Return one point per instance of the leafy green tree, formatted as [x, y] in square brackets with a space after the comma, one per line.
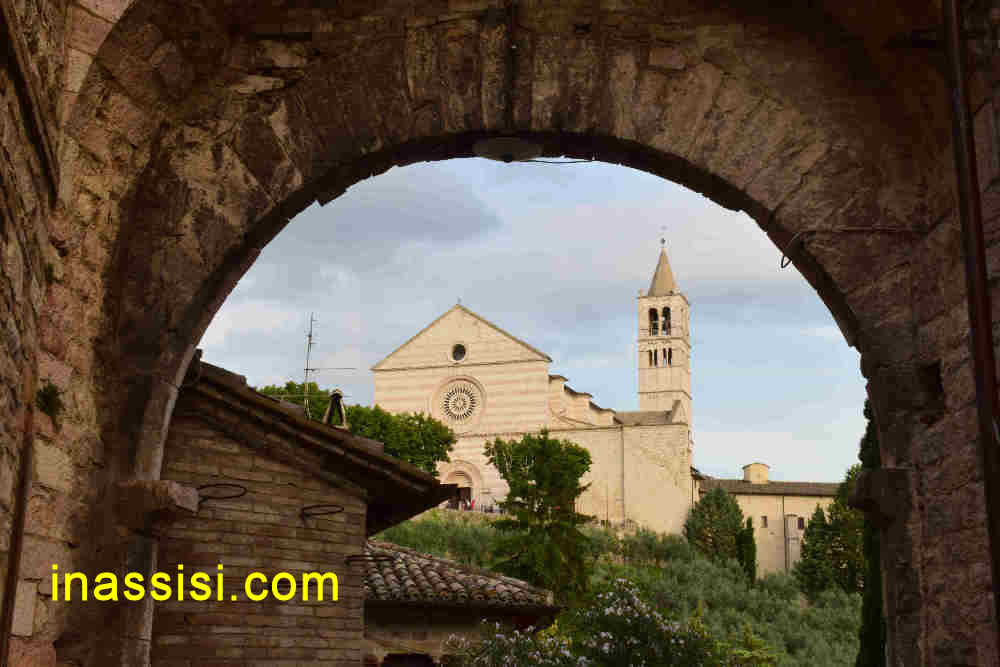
[542, 539]
[871, 652]
[748, 551]
[714, 524]
[297, 393]
[415, 438]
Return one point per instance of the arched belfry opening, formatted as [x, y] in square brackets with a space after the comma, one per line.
[654, 322]
[189, 135]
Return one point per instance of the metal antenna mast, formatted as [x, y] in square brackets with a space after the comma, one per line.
[305, 376]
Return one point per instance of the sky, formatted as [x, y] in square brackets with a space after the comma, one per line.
[556, 255]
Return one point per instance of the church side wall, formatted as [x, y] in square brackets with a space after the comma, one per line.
[771, 540]
[657, 462]
[603, 500]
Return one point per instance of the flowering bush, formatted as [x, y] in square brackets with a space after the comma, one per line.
[617, 629]
[502, 647]
[620, 628]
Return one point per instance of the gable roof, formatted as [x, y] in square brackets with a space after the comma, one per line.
[395, 490]
[395, 574]
[479, 317]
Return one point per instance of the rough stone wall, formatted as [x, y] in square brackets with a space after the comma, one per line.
[27, 183]
[38, 41]
[784, 114]
[260, 532]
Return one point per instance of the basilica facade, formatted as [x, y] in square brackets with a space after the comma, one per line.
[486, 383]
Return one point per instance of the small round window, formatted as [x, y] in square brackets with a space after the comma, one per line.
[458, 352]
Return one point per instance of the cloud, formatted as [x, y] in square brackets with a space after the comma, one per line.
[246, 318]
[556, 255]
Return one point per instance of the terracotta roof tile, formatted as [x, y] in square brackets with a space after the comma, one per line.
[411, 576]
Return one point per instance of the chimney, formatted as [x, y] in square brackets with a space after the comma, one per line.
[755, 473]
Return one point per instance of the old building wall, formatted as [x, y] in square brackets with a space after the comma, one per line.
[31, 62]
[772, 538]
[419, 630]
[658, 476]
[262, 531]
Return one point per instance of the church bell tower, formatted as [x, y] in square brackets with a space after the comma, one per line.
[664, 345]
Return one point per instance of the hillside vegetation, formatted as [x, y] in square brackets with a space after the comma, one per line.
[678, 583]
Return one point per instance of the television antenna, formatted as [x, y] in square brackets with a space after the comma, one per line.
[309, 369]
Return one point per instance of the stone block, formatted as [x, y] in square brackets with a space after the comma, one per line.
[987, 158]
[139, 501]
[38, 555]
[24, 608]
[77, 65]
[883, 494]
[53, 467]
[87, 31]
[110, 10]
[26, 653]
[667, 57]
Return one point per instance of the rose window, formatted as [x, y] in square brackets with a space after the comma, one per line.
[459, 402]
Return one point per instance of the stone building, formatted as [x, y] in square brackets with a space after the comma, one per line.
[779, 512]
[485, 383]
[275, 492]
[414, 602]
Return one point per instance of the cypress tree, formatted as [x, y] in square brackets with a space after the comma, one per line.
[748, 551]
[871, 653]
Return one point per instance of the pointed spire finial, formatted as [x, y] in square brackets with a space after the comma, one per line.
[663, 278]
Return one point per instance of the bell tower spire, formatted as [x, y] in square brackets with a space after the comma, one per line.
[664, 344]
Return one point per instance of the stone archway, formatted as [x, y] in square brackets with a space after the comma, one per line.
[465, 475]
[193, 135]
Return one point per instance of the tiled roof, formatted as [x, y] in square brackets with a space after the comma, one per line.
[739, 486]
[415, 577]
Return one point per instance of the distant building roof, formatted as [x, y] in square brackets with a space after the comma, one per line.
[739, 486]
[644, 418]
[479, 317]
[404, 575]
